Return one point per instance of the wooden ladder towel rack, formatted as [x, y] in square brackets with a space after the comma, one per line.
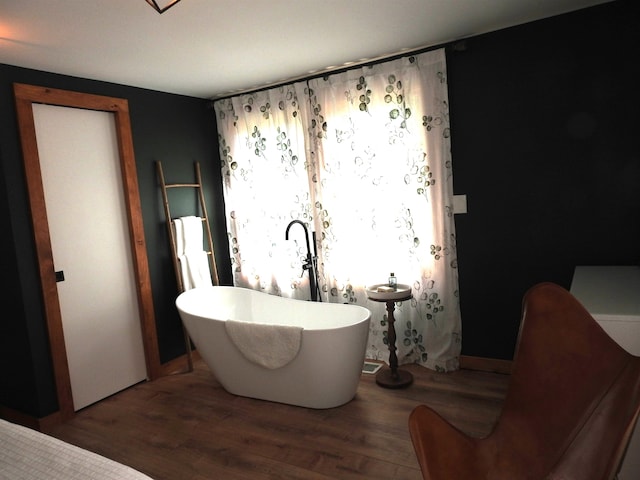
[172, 237]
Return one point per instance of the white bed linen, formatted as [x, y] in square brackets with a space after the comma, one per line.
[26, 454]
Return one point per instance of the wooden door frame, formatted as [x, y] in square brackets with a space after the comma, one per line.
[25, 96]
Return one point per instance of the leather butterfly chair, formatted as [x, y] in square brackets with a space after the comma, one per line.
[571, 406]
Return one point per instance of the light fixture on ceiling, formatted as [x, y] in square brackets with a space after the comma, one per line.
[167, 4]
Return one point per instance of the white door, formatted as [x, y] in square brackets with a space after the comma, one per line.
[90, 241]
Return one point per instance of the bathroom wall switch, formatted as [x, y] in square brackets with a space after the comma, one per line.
[459, 204]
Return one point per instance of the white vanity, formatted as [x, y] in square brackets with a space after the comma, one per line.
[612, 295]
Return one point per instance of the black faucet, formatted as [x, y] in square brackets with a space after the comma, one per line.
[310, 262]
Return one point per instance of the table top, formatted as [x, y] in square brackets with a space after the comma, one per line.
[608, 290]
[402, 292]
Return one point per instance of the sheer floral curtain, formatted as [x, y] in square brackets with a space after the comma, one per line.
[363, 157]
[265, 174]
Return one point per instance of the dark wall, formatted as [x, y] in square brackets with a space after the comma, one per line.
[176, 130]
[544, 121]
[545, 146]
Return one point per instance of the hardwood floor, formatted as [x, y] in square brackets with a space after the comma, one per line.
[187, 427]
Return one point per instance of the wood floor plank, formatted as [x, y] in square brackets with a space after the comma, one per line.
[187, 427]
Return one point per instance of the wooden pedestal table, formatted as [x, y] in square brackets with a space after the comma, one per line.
[391, 377]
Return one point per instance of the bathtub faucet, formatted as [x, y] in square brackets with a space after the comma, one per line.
[311, 260]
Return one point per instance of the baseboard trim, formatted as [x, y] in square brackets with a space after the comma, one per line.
[178, 365]
[483, 364]
[173, 367]
[41, 424]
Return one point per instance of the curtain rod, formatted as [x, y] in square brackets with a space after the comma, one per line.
[455, 46]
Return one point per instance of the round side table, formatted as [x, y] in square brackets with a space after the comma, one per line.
[391, 377]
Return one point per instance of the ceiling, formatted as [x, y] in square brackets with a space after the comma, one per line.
[211, 48]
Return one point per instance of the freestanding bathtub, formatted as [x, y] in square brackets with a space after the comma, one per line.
[322, 373]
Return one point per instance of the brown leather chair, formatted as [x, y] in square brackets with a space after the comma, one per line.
[570, 410]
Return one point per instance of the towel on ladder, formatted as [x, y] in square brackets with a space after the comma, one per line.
[194, 268]
[189, 234]
[194, 261]
[271, 346]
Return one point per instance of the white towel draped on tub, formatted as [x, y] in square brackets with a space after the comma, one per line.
[194, 261]
[271, 346]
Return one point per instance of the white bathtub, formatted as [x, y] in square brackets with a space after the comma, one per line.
[324, 373]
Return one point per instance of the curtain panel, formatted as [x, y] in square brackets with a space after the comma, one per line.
[363, 158]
